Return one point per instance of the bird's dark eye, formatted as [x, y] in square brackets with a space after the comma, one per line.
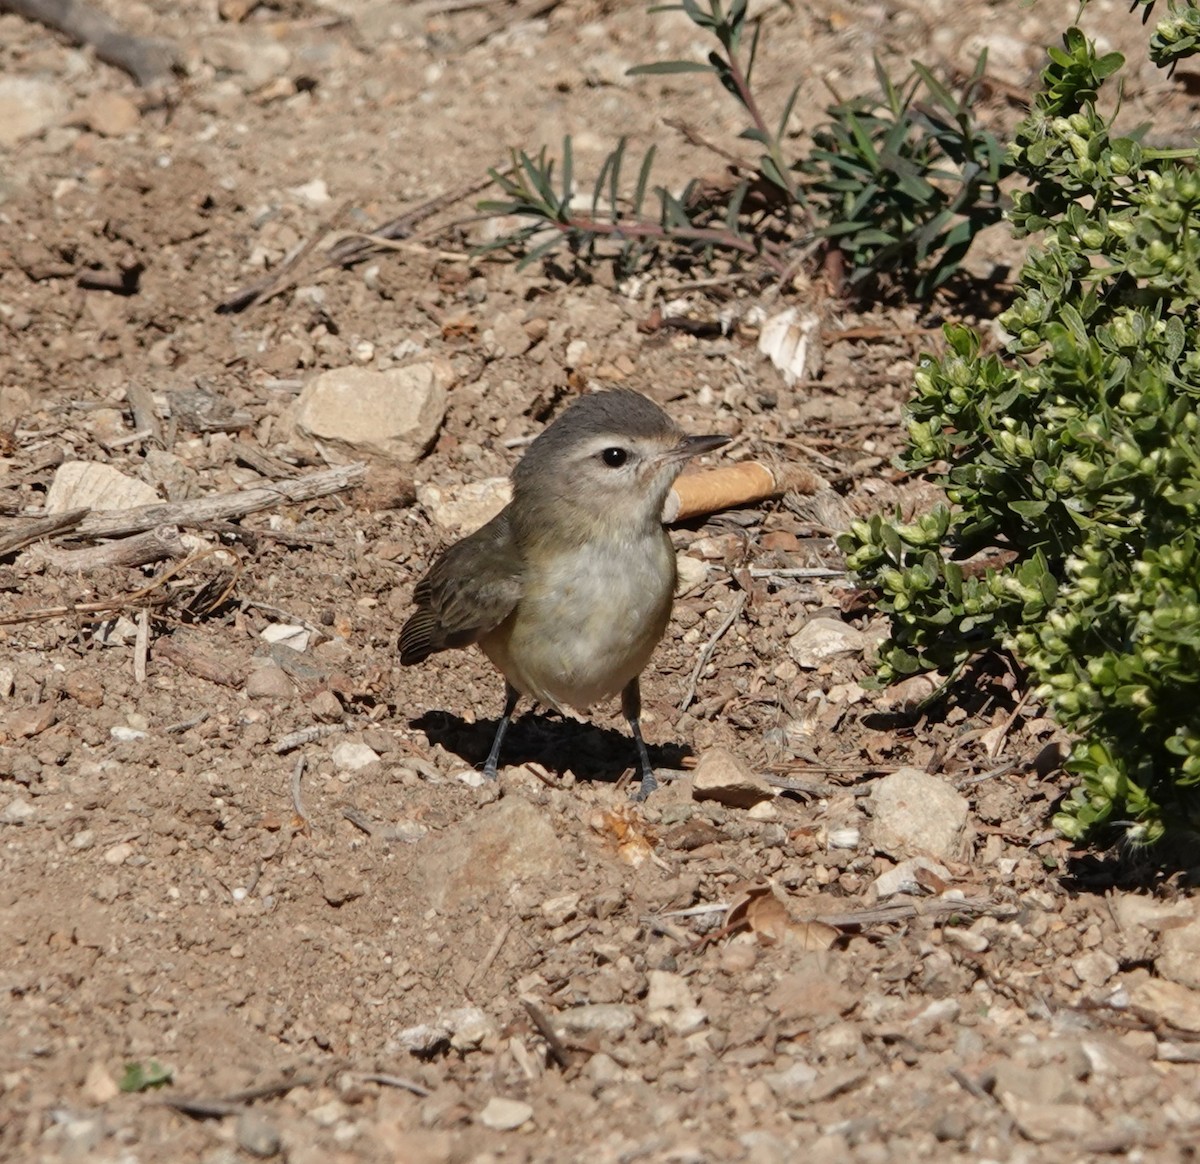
[614, 458]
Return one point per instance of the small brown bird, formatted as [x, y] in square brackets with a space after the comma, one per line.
[569, 588]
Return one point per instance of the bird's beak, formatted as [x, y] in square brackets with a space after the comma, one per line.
[694, 446]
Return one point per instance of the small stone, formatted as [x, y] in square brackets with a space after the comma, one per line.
[326, 707]
[559, 910]
[609, 1018]
[127, 735]
[7, 682]
[824, 638]
[92, 485]
[17, 812]
[85, 689]
[690, 573]
[108, 114]
[507, 841]
[28, 107]
[1095, 967]
[1167, 1002]
[118, 854]
[723, 777]
[965, 939]
[1179, 959]
[257, 1136]
[469, 1027]
[792, 1083]
[466, 508]
[269, 682]
[670, 1003]
[296, 637]
[253, 60]
[906, 877]
[99, 1086]
[508, 334]
[338, 887]
[420, 1039]
[394, 415]
[916, 814]
[349, 756]
[603, 1069]
[504, 1115]
[576, 354]
[314, 193]
[1042, 1122]
[844, 837]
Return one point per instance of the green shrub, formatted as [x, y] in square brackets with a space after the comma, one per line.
[1076, 461]
[900, 182]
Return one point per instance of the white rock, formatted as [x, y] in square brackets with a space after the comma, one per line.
[723, 777]
[824, 638]
[17, 811]
[469, 1027]
[99, 1086]
[27, 107]
[1095, 967]
[610, 1018]
[467, 507]
[7, 682]
[78, 484]
[419, 1039]
[559, 910]
[127, 735]
[904, 877]
[917, 814]
[349, 756]
[395, 415]
[1180, 956]
[691, 573]
[118, 854]
[254, 60]
[504, 1115]
[108, 114]
[670, 1002]
[296, 637]
[1167, 1002]
[315, 193]
[844, 837]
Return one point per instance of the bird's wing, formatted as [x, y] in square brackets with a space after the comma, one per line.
[471, 589]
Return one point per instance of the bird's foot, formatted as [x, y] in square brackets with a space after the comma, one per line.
[648, 785]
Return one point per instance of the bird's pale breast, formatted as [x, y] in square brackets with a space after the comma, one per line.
[587, 622]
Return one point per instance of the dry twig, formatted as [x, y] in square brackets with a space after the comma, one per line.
[739, 604]
[144, 59]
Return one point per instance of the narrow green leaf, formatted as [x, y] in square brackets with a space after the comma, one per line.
[661, 68]
[639, 193]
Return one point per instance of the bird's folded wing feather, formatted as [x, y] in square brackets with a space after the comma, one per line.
[471, 589]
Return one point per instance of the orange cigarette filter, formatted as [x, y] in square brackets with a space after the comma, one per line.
[730, 486]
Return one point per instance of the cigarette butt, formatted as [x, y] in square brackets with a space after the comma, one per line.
[732, 485]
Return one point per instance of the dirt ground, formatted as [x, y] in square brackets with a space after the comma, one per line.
[357, 953]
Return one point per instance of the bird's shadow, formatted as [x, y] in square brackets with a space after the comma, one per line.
[559, 744]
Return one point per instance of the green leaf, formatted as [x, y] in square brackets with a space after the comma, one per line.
[143, 1077]
[664, 68]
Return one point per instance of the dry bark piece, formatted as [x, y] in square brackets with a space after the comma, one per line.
[199, 663]
[18, 534]
[221, 506]
[139, 550]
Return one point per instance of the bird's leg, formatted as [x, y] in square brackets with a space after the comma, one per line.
[511, 698]
[631, 705]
